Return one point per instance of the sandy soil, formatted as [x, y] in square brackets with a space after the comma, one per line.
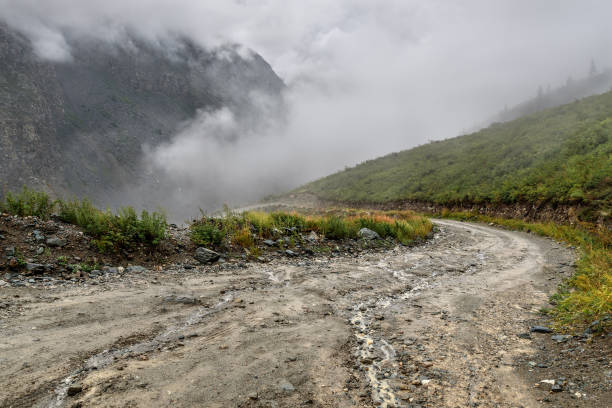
[436, 325]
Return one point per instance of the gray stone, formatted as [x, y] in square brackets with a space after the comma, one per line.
[9, 251]
[286, 386]
[34, 267]
[561, 338]
[557, 387]
[40, 250]
[312, 237]
[187, 300]
[56, 242]
[253, 396]
[540, 329]
[111, 269]
[74, 389]
[290, 253]
[368, 234]
[269, 242]
[204, 255]
[38, 236]
[135, 269]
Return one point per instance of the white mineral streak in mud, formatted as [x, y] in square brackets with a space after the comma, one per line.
[382, 392]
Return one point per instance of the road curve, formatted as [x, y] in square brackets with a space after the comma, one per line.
[435, 325]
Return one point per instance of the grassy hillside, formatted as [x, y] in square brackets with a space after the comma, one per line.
[561, 155]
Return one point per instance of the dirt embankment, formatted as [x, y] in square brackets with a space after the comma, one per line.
[444, 324]
[533, 212]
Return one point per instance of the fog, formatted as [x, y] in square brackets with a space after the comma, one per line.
[364, 77]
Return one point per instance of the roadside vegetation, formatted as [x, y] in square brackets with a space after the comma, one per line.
[111, 231]
[558, 156]
[244, 229]
[587, 296]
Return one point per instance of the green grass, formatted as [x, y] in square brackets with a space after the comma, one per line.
[122, 230]
[28, 203]
[586, 296]
[561, 155]
[112, 231]
[244, 229]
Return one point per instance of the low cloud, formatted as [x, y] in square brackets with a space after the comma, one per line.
[364, 77]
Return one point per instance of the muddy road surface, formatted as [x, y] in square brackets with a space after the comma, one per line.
[437, 325]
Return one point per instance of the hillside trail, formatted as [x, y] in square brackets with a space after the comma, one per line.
[435, 325]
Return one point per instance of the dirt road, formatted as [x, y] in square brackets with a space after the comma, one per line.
[436, 325]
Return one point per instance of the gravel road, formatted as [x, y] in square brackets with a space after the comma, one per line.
[437, 325]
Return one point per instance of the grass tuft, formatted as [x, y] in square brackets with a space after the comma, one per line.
[28, 203]
[241, 229]
[111, 231]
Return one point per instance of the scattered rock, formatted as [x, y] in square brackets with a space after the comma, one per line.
[56, 242]
[253, 396]
[38, 236]
[187, 300]
[110, 269]
[312, 237]
[366, 360]
[368, 234]
[9, 251]
[35, 268]
[74, 389]
[540, 329]
[286, 386]
[290, 252]
[135, 269]
[269, 242]
[204, 255]
[40, 250]
[561, 338]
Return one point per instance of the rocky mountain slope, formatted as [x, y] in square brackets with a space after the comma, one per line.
[79, 126]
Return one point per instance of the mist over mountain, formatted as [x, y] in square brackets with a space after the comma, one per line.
[595, 83]
[171, 103]
[83, 125]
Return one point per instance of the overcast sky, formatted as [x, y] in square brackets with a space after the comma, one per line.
[365, 77]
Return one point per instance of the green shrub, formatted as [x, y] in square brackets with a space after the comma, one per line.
[123, 230]
[28, 203]
[288, 220]
[334, 227]
[206, 232]
[384, 228]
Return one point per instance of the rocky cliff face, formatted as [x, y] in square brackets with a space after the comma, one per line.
[79, 126]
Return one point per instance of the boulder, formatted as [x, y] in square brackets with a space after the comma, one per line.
[205, 256]
[368, 234]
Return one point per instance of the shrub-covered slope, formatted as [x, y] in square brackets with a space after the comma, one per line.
[561, 155]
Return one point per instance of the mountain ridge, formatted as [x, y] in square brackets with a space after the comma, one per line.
[79, 126]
